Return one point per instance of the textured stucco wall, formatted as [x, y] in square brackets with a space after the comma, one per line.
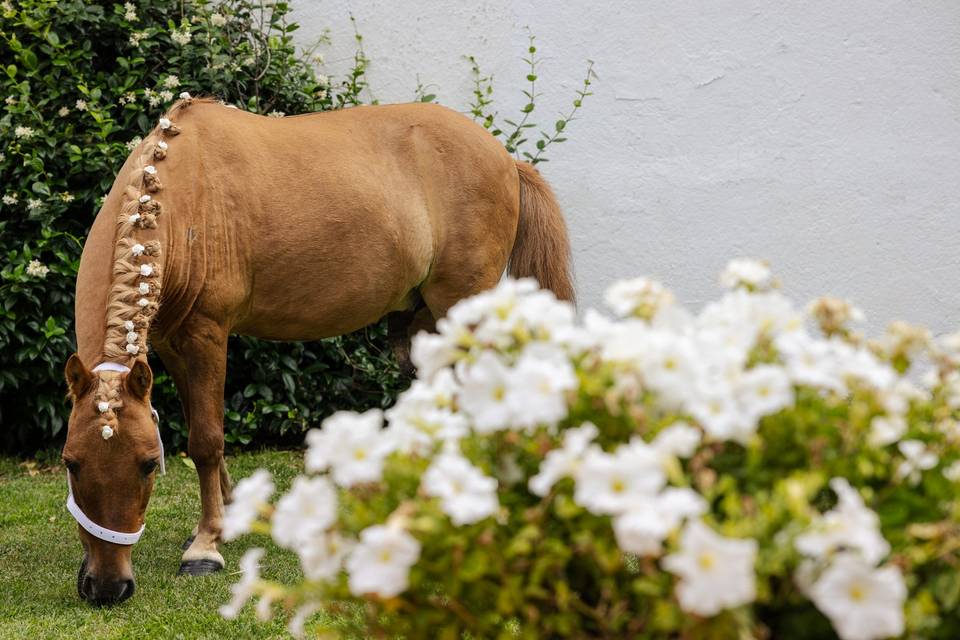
[823, 136]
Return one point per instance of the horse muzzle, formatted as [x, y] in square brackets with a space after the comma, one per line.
[102, 592]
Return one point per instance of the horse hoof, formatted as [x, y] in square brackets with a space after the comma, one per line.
[186, 543]
[199, 567]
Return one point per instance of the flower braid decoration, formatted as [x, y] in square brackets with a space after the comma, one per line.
[134, 297]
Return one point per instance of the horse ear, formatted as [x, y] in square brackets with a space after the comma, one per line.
[140, 380]
[78, 376]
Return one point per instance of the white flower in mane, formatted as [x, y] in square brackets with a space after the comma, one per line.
[917, 459]
[145, 198]
[380, 563]
[152, 170]
[744, 272]
[716, 573]
[162, 146]
[466, 494]
[133, 349]
[247, 586]
[128, 325]
[862, 603]
[249, 496]
[610, 483]
[137, 250]
[352, 445]
[134, 218]
[850, 525]
[565, 461]
[146, 270]
[304, 512]
[106, 432]
[184, 95]
[132, 337]
[650, 519]
[165, 123]
[143, 302]
[103, 406]
[144, 288]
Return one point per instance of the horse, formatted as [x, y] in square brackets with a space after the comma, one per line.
[226, 222]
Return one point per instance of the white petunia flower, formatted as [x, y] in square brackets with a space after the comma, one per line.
[483, 395]
[424, 415]
[862, 603]
[643, 528]
[305, 512]
[538, 387]
[612, 483]
[431, 352]
[322, 556]
[352, 445]
[248, 585]
[917, 459]
[640, 297]
[952, 472]
[299, 619]
[744, 272]
[678, 440]
[849, 525]
[466, 494]
[249, 495]
[380, 563]
[563, 462]
[886, 430]
[715, 572]
[764, 390]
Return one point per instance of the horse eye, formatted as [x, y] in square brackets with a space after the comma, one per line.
[148, 467]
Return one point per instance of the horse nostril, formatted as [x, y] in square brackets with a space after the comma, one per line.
[126, 590]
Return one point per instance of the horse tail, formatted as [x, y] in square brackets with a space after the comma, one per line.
[541, 249]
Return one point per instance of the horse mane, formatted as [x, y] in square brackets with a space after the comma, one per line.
[134, 296]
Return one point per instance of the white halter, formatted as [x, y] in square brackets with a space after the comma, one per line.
[116, 537]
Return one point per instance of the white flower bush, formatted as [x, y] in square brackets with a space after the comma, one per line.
[746, 471]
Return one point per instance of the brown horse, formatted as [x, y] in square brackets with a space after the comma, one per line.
[296, 228]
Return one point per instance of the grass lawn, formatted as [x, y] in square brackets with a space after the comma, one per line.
[40, 554]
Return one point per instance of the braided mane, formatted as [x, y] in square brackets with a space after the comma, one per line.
[133, 300]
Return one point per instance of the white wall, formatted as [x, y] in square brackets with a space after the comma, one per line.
[823, 136]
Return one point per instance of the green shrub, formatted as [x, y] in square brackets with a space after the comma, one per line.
[81, 80]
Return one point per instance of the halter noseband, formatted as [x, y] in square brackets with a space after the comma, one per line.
[91, 527]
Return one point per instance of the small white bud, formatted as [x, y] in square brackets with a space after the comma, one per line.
[165, 123]
[134, 217]
[103, 407]
[143, 302]
[128, 325]
[184, 96]
[106, 432]
[144, 288]
[162, 145]
[145, 198]
[132, 337]
[137, 249]
[133, 349]
[146, 270]
[152, 170]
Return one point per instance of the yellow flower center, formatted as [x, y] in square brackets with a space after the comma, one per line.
[618, 485]
[385, 556]
[706, 560]
[359, 454]
[499, 392]
[857, 592]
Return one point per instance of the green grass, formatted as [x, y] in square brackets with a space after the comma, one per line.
[40, 554]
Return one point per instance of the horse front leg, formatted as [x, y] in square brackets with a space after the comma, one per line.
[199, 370]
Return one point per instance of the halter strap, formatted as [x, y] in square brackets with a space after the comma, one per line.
[91, 527]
